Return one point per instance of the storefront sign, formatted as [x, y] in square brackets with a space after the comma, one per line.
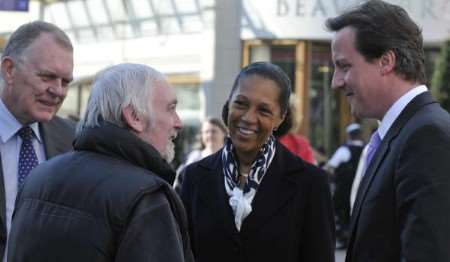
[304, 19]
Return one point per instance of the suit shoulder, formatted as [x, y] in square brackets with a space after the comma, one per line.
[60, 126]
[63, 123]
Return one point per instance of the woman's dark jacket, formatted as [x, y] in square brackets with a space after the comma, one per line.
[292, 217]
[107, 201]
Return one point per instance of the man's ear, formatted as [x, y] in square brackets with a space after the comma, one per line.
[133, 120]
[7, 67]
[387, 62]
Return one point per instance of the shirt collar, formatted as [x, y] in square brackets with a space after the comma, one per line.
[10, 125]
[395, 110]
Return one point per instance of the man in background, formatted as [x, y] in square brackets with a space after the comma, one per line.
[36, 69]
[342, 166]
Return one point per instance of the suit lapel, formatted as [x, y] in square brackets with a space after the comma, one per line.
[212, 184]
[416, 104]
[56, 139]
[276, 189]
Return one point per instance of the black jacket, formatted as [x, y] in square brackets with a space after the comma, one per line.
[292, 217]
[57, 135]
[104, 202]
[402, 210]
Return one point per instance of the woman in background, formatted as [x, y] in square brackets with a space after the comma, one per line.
[293, 140]
[254, 200]
[212, 137]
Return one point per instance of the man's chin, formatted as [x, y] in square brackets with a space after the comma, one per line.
[170, 152]
[42, 117]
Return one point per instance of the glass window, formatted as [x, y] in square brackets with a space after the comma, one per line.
[284, 57]
[141, 8]
[324, 103]
[192, 23]
[105, 33]
[117, 10]
[58, 14]
[164, 7]
[86, 34]
[186, 6]
[78, 13]
[188, 96]
[98, 12]
[170, 25]
[149, 27]
[259, 53]
[124, 31]
[207, 3]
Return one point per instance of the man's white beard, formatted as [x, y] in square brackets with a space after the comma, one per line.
[170, 152]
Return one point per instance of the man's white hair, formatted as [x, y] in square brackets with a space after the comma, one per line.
[116, 88]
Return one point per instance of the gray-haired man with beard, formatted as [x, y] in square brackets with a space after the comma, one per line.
[110, 200]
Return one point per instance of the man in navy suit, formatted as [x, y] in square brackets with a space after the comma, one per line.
[36, 68]
[402, 210]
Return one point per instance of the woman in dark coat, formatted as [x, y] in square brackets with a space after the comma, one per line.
[253, 200]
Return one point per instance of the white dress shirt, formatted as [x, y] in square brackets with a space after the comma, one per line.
[395, 110]
[10, 144]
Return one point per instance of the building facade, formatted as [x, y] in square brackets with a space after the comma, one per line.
[201, 45]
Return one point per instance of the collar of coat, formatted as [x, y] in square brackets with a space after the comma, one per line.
[285, 162]
[111, 140]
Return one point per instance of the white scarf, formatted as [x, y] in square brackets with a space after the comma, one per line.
[240, 200]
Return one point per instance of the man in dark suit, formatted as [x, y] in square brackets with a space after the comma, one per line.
[36, 68]
[402, 210]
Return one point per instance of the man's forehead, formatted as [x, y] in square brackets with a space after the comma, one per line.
[343, 39]
[164, 92]
[59, 60]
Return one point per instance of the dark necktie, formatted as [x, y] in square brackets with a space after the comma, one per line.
[27, 156]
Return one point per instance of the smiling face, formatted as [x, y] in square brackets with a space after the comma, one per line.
[36, 85]
[254, 112]
[360, 80]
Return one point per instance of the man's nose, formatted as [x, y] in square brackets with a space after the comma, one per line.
[337, 81]
[57, 88]
[178, 123]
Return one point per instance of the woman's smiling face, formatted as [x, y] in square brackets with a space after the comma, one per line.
[254, 112]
